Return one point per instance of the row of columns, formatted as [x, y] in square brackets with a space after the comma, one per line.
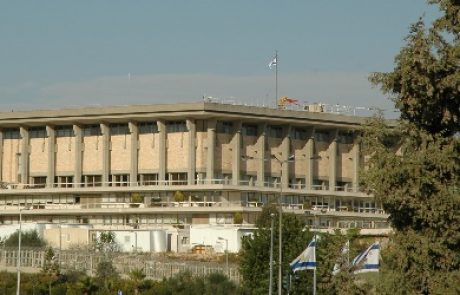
[261, 159]
[309, 152]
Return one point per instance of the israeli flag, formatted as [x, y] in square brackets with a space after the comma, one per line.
[368, 261]
[273, 63]
[307, 259]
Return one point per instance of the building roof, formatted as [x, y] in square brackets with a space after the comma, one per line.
[197, 110]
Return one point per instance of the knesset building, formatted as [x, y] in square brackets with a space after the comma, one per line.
[182, 164]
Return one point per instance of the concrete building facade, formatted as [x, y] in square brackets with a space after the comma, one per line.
[179, 165]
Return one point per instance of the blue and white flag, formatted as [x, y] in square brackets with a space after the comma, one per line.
[273, 62]
[368, 261]
[340, 263]
[307, 259]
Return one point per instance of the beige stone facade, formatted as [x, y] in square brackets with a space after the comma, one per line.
[182, 163]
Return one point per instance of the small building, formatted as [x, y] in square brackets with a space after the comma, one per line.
[219, 238]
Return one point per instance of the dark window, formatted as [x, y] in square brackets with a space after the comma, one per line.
[322, 136]
[345, 138]
[92, 130]
[64, 131]
[275, 131]
[11, 133]
[148, 127]
[176, 126]
[148, 179]
[225, 127]
[39, 181]
[38, 132]
[119, 129]
[249, 130]
[92, 180]
[299, 133]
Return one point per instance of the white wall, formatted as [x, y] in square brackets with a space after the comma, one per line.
[209, 236]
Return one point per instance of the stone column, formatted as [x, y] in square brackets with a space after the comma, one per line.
[211, 143]
[310, 159]
[50, 132]
[286, 152]
[1, 155]
[105, 129]
[261, 142]
[333, 160]
[161, 151]
[78, 150]
[24, 155]
[356, 155]
[191, 126]
[133, 167]
[236, 144]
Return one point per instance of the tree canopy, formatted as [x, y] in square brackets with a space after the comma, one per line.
[414, 167]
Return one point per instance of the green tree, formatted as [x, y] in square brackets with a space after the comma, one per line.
[414, 168]
[28, 239]
[106, 274]
[255, 253]
[425, 81]
[217, 283]
[50, 270]
[106, 243]
[136, 276]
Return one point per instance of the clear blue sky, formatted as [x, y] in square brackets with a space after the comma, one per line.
[74, 53]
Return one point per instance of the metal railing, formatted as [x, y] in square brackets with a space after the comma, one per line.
[154, 267]
[224, 181]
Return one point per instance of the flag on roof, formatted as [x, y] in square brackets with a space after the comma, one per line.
[273, 62]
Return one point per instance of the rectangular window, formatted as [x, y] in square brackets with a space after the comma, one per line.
[148, 127]
[148, 179]
[37, 132]
[92, 130]
[39, 181]
[298, 133]
[345, 138]
[11, 133]
[225, 127]
[322, 136]
[119, 129]
[177, 178]
[63, 181]
[92, 180]
[275, 131]
[176, 126]
[64, 131]
[249, 130]
[119, 179]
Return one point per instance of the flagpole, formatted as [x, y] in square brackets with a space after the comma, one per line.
[314, 270]
[276, 79]
[314, 281]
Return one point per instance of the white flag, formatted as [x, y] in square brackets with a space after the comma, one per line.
[338, 265]
[273, 62]
[307, 259]
[368, 261]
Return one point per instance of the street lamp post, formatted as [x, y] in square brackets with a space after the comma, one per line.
[18, 286]
[18, 282]
[226, 254]
[280, 223]
[270, 288]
